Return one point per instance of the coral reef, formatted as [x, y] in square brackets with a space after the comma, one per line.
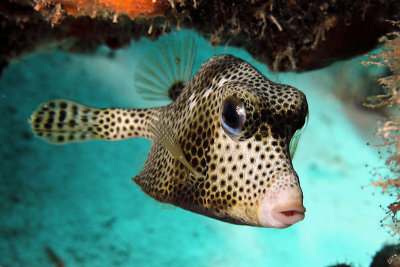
[113, 8]
[388, 130]
[290, 35]
[25, 30]
[297, 35]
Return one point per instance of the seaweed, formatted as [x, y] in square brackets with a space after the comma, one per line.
[388, 130]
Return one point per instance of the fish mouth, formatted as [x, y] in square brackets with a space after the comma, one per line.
[282, 210]
[290, 215]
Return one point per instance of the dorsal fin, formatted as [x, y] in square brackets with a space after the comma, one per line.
[165, 68]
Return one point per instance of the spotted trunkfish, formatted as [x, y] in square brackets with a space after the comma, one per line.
[223, 148]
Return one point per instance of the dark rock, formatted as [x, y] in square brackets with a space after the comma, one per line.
[289, 35]
[388, 256]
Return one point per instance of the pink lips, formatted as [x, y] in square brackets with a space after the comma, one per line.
[289, 215]
[281, 209]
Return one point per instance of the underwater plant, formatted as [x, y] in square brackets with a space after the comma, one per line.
[388, 131]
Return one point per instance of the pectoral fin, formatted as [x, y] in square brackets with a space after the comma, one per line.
[163, 134]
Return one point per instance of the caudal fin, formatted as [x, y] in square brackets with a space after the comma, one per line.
[63, 121]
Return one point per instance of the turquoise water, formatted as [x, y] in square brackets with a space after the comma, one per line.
[78, 200]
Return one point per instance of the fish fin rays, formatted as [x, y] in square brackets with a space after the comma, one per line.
[165, 69]
[163, 134]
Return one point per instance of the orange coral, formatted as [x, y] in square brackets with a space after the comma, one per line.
[132, 8]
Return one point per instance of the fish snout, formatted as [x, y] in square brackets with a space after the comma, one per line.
[283, 209]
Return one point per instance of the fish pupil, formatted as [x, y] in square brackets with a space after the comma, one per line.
[233, 116]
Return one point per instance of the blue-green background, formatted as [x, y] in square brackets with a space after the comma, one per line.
[79, 200]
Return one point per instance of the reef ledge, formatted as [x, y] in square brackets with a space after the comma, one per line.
[294, 35]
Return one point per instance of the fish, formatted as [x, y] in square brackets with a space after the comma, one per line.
[222, 148]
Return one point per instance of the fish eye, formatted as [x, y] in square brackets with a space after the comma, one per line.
[233, 116]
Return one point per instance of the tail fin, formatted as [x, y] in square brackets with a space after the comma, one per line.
[166, 68]
[64, 121]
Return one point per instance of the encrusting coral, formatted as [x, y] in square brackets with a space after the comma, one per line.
[388, 130]
[132, 8]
